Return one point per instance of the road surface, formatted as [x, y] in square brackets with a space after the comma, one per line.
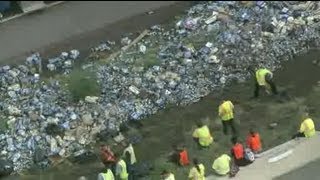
[309, 171]
[80, 25]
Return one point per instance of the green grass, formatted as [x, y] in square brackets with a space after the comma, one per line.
[175, 125]
[82, 83]
[148, 59]
[3, 124]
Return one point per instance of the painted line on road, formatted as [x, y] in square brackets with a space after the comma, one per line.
[281, 156]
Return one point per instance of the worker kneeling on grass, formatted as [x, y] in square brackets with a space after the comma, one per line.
[226, 115]
[264, 78]
[183, 156]
[203, 135]
[307, 128]
[197, 172]
[221, 165]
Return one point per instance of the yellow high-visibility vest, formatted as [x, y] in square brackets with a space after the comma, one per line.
[123, 174]
[260, 75]
[222, 164]
[203, 133]
[194, 174]
[307, 127]
[226, 110]
[108, 175]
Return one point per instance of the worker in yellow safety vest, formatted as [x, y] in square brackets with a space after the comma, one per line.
[226, 114]
[129, 158]
[307, 128]
[130, 151]
[221, 165]
[121, 169]
[197, 172]
[263, 77]
[202, 135]
[107, 175]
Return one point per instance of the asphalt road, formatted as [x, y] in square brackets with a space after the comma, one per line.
[80, 25]
[309, 171]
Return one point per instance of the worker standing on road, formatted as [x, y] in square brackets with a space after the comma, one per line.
[197, 172]
[221, 165]
[203, 135]
[253, 142]
[166, 175]
[107, 175]
[226, 114]
[121, 169]
[263, 77]
[307, 128]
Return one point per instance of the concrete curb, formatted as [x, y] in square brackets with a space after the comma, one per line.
[280, 147]
[23, 14]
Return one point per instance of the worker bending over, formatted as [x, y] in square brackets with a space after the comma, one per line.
[221, 165]
[307, 128]
[226, 115]
[253, 142]
[202, 135]
[197, 172]
[263, 77]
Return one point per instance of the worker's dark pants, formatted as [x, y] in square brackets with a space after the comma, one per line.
[298, 135]
[229, 124]
[130, 171]
[272, 85]
[113, 168]
[242, 162]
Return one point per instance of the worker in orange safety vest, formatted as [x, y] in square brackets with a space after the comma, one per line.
[237, 151]
[253, 141]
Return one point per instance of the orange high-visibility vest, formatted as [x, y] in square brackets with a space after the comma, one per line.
[238, 151]
[183, 158]
[254, 142]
